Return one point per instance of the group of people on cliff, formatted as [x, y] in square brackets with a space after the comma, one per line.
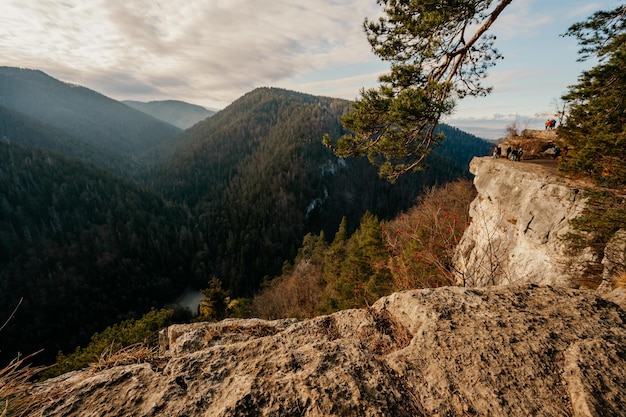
[556, 151]
[550, 124]
[511, 154]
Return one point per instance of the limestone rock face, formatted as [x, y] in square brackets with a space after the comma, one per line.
[495, 351]
[613, 286]
[518, 217]
[614, 260]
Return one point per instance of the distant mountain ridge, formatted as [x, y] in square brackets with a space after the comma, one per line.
[83, 113]
[175, 112]
[16, 127]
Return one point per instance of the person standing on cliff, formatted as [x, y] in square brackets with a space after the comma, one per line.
[508, 151]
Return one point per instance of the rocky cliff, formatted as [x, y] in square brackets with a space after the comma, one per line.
[519, 217]
[496, 351]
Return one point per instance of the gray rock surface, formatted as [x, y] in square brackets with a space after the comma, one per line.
[614, 260]
[519, 216]
[496, 351]
[613, 286]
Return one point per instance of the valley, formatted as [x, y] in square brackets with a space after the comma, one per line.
[107, 212]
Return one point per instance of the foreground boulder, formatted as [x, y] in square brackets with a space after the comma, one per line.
[494, 351]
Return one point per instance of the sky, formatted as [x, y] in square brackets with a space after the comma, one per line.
[211, 52]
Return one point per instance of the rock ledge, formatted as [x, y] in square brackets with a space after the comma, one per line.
[495, 351]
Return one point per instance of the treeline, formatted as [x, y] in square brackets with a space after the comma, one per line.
[18, 128]
[86, 115]
[83, 249]
[413, 250]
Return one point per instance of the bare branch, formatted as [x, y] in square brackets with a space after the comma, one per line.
[12, 314]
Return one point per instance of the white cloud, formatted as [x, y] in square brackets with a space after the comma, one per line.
[211, 51]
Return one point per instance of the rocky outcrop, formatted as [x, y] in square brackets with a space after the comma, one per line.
[613, 286]
[614, 260]
[518, 340]
[497, 351]
[534, 143]
[519, 217]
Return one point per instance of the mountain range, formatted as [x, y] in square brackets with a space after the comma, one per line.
[106, 211]
[126, 134]
[174, 112]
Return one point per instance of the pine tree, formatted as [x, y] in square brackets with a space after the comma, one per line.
[595, 126]
[213, 306]
[434, 58]
[336, 253]
[355, 281]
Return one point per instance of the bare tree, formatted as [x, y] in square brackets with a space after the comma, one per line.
[560, 109]
[512, 129]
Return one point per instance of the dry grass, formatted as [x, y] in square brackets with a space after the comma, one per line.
[16, 389]
[236, 332]
[128, 355]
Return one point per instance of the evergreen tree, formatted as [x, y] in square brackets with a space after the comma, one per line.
[434, 58]
[336, 252]
[364, 263]
[595, 127]
[213, 306]
[352, 279]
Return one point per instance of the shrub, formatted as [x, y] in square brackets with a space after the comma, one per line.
[421, 241]
[114, 338]
[297, 292]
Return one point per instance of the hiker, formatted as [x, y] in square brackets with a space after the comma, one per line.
[508, 152]
[495, 151]
[547, 124]
[516, 154]
[552, 124]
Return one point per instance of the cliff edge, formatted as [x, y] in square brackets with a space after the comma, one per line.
[496, 351]
[519, 217]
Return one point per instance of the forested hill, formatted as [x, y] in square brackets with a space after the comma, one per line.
[460, 146]
[258, 178]
[82, 113]
[84, 249]
[18, 128]
[174, 112]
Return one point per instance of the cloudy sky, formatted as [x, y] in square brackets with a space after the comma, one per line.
[211, 52]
